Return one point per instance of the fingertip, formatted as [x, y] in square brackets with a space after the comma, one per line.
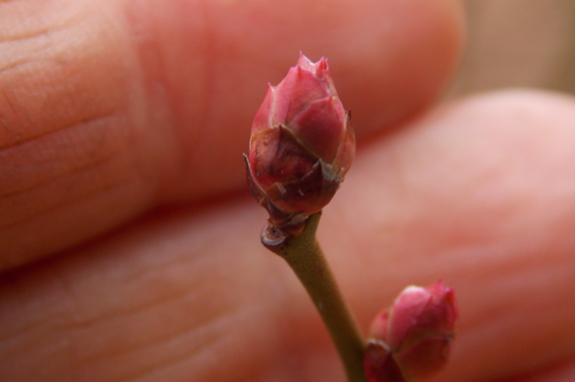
[389, 60]
[479, 192]
[138, 104]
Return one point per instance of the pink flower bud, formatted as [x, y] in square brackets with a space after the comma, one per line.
[411, 341]
[301, 144]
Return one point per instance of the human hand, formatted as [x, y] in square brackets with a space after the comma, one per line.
[130, 250]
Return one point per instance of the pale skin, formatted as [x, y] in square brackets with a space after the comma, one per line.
[129, 247]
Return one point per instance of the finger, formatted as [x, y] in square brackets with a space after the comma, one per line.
[479, 193]
[107, 109]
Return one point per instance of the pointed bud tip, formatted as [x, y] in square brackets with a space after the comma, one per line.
[322, 69]
[319, 68]
[304, 62]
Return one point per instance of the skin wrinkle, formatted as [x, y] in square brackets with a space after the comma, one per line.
[152, 268]
[189, 354]
[215, 338]
[66, 211]
[8, 199]
[30, 36]
[109, 354]
[7, 40]
[67, 291]
[58, 64]
[24, 135]
[73, 81]
[41, 34]
[158, 303]
[13, 65]
[78, 165]
[25, 15]
[150, 344]
[58, 207]
[48, 38]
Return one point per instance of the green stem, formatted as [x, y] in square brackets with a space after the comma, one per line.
[305, 257]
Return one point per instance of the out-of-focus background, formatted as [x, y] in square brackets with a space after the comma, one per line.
[513, 43]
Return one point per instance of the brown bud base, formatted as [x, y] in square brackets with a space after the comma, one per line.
[274, 239]
[298, 182]
[379, 364]
[282, 240]
[295, 183]
[279, 220]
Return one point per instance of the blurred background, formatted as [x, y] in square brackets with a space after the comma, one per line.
[513, 43]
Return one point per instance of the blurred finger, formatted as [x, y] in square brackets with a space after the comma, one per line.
[110, 108]
[479, 193]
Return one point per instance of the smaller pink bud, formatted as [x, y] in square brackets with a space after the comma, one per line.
[410, 342]
[301, 144]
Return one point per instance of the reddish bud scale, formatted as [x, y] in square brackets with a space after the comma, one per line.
[301, 144]
[410, 342]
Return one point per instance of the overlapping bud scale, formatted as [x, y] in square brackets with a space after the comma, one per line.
[410, 342]
[301, 144]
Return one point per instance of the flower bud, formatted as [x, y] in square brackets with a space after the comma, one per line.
[410, 342]
[301, 144]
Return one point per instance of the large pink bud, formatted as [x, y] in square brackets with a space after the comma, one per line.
[410, 342]
[301, 144]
